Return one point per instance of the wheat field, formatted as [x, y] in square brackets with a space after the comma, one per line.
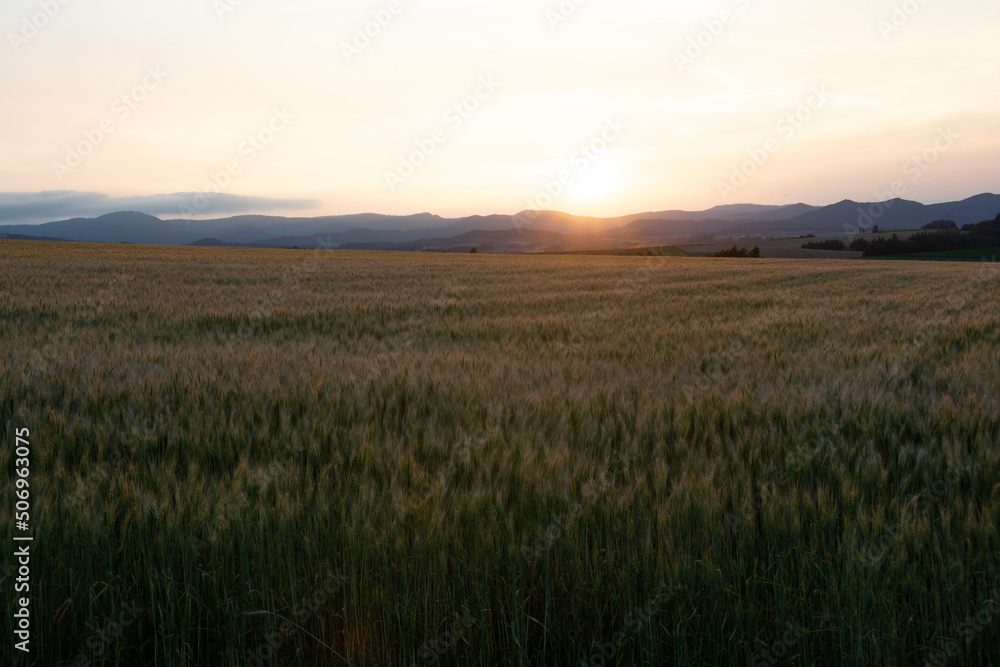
[250, 457]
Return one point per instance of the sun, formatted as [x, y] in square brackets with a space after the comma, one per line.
[598, 182]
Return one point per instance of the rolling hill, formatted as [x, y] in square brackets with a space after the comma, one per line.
[528, 231]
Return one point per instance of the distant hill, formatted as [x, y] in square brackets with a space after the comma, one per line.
[527, 231]
[26, 237]
[889, 215]
[731, 212]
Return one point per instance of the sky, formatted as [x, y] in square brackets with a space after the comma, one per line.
[197, 108]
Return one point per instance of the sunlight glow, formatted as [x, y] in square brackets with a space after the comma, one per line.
[597, 183]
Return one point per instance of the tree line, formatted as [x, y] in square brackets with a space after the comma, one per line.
[736, 251]
[939, 238]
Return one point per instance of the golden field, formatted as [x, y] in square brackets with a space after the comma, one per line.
[246, 457]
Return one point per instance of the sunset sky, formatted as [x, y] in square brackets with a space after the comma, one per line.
[288, 110]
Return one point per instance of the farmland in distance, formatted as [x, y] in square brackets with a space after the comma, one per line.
[483, 460]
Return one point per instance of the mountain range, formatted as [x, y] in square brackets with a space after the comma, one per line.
[528, 231]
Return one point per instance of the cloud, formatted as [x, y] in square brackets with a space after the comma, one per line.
[33, 207]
